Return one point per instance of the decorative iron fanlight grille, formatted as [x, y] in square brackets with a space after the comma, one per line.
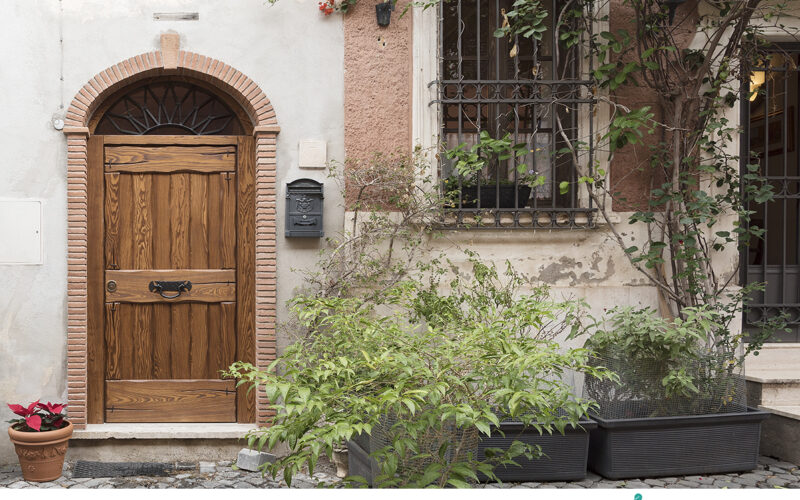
[169, 108]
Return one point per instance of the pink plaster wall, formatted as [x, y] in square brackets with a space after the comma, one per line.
[377, 81]
[631, 174]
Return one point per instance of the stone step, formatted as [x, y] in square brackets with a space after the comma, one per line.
[780, 433]
[776, 357]
[779, 390]
[773, 377]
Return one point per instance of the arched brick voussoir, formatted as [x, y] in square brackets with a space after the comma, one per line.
[226, 78]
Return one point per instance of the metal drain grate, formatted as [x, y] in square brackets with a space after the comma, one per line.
[85, 468]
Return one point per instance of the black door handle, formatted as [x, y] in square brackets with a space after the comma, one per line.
[160, 287]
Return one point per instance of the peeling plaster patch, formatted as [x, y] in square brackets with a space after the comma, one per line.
[567, 268]
[554, 272]
[587, 277]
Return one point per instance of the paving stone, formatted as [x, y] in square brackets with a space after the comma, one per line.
[94, 483]
[727, 484]
[207, 467]
[637, 484]
[767, 460]
[746, 481]
[776, 481]
[222, 476]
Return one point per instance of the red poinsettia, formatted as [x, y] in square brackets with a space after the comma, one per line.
[38, 417]
[32, 420]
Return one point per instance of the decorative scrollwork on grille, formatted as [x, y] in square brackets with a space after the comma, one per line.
[169, 108]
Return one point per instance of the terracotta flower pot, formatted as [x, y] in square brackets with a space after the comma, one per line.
[41, 454]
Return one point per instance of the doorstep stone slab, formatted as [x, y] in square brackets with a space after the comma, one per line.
[163, 431]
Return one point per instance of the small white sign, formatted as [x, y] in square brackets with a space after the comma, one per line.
[20, 232]
[313, 154]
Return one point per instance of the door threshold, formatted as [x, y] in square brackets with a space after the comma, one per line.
[164, 431]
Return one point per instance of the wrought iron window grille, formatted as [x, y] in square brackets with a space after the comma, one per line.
[770, 117]
[539, 96]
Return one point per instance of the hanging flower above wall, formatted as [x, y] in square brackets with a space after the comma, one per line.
[328, 7]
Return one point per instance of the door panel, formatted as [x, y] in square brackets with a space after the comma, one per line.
[175, 213]
[170, 159]
[179, 401]
[208, 285]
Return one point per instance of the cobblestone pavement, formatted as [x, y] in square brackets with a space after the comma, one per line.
[769, 474]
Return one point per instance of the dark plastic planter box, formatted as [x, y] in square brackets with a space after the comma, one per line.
[565, 454]
[671, 446]
[358, 460]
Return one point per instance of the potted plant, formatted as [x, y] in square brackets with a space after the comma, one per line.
[415, 379]
[469, 187]
[679, 406]
[40, 439]
[563, 452]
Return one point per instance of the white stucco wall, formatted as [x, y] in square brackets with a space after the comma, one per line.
[291, 52]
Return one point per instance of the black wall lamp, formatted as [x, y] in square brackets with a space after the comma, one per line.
[383, 11]
[671, 6]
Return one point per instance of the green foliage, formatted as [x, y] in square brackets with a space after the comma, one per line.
[441, 360]
[526, 19]
[489, 152]
[666, 366]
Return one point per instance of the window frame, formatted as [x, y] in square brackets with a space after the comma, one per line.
[427, 124]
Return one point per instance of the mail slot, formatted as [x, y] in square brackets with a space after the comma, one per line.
[304, 209]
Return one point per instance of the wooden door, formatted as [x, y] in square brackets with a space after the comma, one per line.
[164, 211]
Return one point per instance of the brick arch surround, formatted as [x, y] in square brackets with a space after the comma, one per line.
[265, 129]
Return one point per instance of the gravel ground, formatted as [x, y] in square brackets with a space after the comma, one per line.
[770, 473]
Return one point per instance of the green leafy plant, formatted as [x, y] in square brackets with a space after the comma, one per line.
[490, 152]
[440, 361]
[665, 367]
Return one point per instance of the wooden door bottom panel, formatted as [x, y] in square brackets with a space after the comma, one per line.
[170, 401]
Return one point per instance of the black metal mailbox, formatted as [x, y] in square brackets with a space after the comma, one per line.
[304, 209]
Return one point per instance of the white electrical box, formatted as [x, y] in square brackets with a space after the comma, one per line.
[313, 154]
[20, 232]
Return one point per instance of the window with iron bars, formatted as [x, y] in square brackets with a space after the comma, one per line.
[538, 93]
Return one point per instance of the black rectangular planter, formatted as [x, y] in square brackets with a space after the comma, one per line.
[670, 446]
[564, 454]
[358, 460]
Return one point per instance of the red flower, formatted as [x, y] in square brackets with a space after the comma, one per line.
[24, 412]
[52, 408]
[34, 422]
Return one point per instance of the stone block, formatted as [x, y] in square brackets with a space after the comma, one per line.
[251, 459]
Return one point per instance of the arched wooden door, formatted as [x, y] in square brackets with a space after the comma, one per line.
[171, 258]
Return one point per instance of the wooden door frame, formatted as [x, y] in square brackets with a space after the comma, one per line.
[245, 260]
[167, 62]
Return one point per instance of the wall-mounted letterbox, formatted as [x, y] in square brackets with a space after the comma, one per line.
[304, 209]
